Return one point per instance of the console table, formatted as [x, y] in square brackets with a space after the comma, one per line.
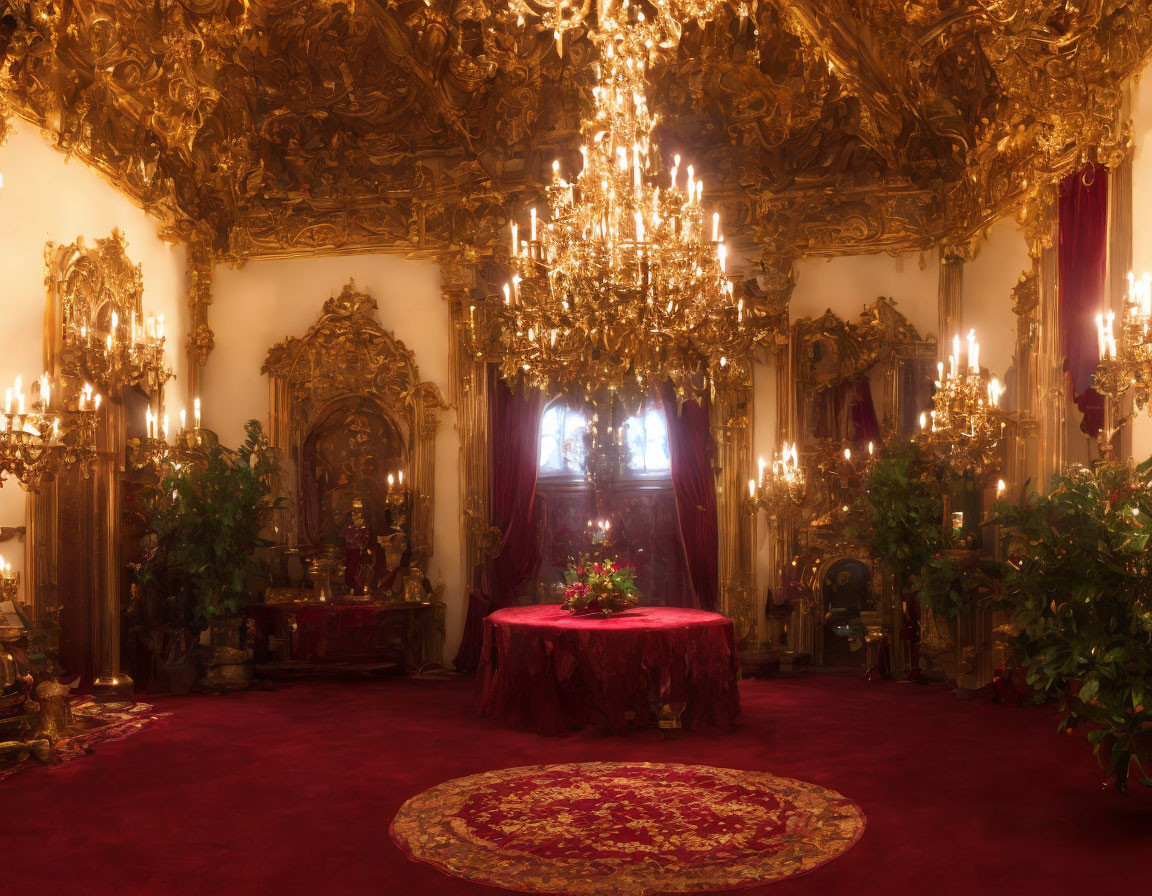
[319, 636]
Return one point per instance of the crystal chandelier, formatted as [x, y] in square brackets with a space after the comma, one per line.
[782, 485]
[37, 437]
[562, 16]
[966, 423]
[623, 285]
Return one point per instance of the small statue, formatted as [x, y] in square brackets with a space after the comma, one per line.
[358, 567]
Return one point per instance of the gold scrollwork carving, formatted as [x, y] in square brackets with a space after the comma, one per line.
[347, 354]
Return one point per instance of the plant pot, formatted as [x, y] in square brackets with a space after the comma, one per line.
[230, 662]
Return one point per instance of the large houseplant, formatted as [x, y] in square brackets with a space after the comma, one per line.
[203, 524]
[1079, 583]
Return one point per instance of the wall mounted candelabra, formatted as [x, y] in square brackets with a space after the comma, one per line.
[781, 487]
[38, 438]
[966, 423]
[1125, 362]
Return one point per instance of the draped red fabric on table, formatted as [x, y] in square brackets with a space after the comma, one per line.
[691, 447]
[1083, 256]
[513, 444]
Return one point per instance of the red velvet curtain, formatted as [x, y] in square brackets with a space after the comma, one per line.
[1083, 256]
[513, 445]
[691, 446]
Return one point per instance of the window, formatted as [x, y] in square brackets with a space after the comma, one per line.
[646, 436]
[563, 450]
[562, 441]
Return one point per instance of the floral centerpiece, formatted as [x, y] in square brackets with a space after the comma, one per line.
[600, 586]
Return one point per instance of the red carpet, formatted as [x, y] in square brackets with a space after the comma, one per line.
[292, 792]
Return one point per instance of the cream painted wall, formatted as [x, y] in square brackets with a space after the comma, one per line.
[48, 197]
[1142, 219]
[849, 283]
[262, 303]
[986, 296]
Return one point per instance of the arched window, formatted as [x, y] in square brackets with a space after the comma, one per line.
[646, 436]
[562, 441]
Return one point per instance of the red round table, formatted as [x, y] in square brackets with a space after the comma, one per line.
[550, 671]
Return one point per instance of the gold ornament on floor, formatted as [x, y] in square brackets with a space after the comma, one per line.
[966, 423]
[624, 285]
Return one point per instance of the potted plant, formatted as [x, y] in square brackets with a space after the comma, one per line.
[899, 519]
[203, 540]
[1079, 586]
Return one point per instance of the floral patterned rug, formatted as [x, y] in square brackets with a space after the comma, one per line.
[626, 828]
[94, 724]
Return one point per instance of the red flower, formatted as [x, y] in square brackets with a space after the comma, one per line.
[615, 567]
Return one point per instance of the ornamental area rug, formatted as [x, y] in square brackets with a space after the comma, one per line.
[626, 828]
[93, 724]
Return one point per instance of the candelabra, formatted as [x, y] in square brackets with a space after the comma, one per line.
[782, 485]
[159, 451]
[966, 423]
[396, 500]
[37, 438]
[122, 354]
[1125, 363]
[9, 581]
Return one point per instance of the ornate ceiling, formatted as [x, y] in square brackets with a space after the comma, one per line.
[823, 126]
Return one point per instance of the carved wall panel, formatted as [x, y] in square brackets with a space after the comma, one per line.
[349, 406]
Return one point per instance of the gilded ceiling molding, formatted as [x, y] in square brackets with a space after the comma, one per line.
[305, 126]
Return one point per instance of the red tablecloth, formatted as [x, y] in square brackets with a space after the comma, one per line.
[545, 669]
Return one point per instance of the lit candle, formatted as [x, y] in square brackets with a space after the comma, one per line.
[870, 449]
[751, 488]
[940, 371]
[183, 420]
[923, 421]
[1000, 486]
[847, 454]
[147, 421]
[391, 482]
[533, 215]
[400, 477]
[715, 226]
[507, 294]
[761, 464]
[196, 412]
[722, 254]
[639, 227]
[691, 184]
[515, 240]
[974, 356]
[1101, 338]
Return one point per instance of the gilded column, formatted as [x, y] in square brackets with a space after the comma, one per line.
[110, 681]
[1120, 258]
[200, 265]
[731, 428]
[469, 381]
[1049, 390]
